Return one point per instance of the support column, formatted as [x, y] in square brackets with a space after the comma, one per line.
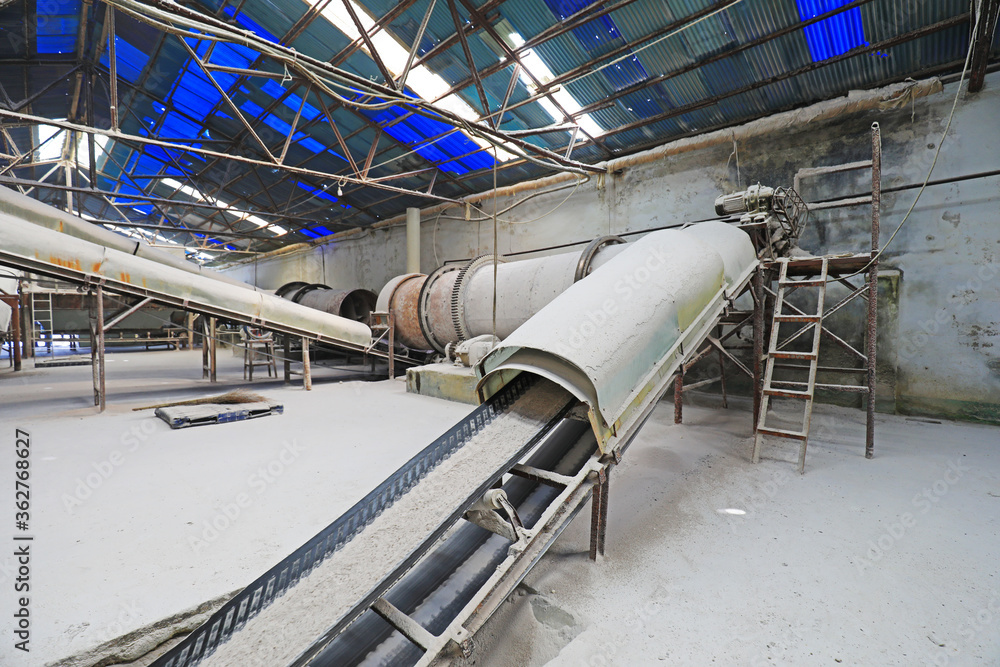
[288, 359]
[873, 287]
[758, 341]
[15, 329]
[204, 350]
[722, 372]
[307, 380]
[679, 395]
[27, 327]
[97, 347]
[392, 345]
[189, 330]
[599, 513]
[413, 240]
[211, 350]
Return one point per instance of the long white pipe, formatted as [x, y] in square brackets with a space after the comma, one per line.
[31, 210]
[34, 248]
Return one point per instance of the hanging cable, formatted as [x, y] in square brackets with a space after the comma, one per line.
[496, 250]
[958, 92]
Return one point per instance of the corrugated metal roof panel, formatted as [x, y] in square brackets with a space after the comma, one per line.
[177, 99]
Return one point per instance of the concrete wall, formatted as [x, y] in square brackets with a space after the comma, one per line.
[940, 328]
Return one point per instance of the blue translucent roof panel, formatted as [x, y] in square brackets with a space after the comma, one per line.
[57, 23]
[131, 60]
[833, 36]
[251, 25]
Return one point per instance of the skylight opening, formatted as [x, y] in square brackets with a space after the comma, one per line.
[50, 142]
[533, 66]
[83, 149]
[420, 79]
[174, 184]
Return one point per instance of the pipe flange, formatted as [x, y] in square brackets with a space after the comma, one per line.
[311, 287]
[588, 254]
[422, 308]
[384, 301]
[288, 288]
[458, 292]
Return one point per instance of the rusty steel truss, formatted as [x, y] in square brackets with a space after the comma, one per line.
[210, 205]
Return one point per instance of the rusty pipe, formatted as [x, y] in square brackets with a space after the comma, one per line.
[455, 302]
[352, 304]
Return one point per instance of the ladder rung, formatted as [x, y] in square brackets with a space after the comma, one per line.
[805, 356]
[811, 282]
[798, 318]
[788, 393]
[782, 433]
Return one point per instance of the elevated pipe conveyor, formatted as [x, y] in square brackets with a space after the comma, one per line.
[31, 210]
[38, 249]
[454, 303]
[354, 304]
[614, 339]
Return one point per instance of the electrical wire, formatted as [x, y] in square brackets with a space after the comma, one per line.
[326, 77]
[489, 217]
[944, 135]
[496, 250]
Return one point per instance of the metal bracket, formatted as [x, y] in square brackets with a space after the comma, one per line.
[484, 514]
[410, 629]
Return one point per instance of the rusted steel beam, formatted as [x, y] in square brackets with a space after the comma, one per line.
[372, 51]
[577, 19]
[307, 382]
[227, 99]
[872, 324]
[599, 513]
[401, 84]
[112, 63]
[213, 347]
[468, 57]
[98, 343]
[759, 299]
[295, 124]
[679, 397]
[989, 13]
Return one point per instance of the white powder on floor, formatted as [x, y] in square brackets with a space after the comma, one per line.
[291, 623]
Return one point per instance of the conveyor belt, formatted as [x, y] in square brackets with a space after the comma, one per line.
[525, 411]
[436, 590]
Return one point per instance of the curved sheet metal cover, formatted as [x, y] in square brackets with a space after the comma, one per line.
[606, 338]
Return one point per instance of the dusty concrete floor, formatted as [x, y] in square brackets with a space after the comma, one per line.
[134, 523]
[712, 560]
